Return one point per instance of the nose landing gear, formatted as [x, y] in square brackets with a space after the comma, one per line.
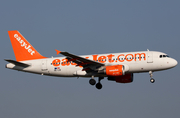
[151, 75]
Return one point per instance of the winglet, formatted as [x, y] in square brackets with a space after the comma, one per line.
[58, 51]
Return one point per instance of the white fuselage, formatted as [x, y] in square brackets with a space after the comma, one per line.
[134, 62]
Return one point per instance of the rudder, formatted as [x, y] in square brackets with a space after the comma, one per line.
[23, 50]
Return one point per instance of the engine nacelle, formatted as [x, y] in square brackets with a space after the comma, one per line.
[115, 70]
[128, 78]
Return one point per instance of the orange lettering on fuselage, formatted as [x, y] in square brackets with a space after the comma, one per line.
[110, 58]
[72, 63]
[94, 57]
[131, 58]
[135, 56]
[65, 62]
[56, 62]
[119, 57]
[103, 59]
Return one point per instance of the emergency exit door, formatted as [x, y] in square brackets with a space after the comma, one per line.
[150, 57]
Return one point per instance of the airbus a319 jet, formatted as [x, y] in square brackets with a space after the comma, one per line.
[118, 67]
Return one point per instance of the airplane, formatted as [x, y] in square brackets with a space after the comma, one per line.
[118, 67]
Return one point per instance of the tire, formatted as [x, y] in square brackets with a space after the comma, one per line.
[99, 86]
[92, 82]
[152, 80]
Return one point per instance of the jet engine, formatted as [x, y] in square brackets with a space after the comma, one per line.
[127, 78]
[115, 70]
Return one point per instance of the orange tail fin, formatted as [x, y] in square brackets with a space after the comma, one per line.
[23, 50]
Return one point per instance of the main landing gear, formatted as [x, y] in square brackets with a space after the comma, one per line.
[92, 81]
[151, 75]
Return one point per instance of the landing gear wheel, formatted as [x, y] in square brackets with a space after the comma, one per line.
[98, 85]
[92, 82]
[152, 80]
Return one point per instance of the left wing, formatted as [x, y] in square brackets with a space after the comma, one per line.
[81, 61]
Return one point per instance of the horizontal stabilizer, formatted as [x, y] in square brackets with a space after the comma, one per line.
[17, 63]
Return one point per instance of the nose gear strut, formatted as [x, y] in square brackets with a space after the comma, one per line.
[151, 76]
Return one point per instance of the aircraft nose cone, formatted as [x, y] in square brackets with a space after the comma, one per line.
[174, 62]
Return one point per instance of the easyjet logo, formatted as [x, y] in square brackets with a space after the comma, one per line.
[102, 59]
[24, 44]
[120, 58]
[113, 70]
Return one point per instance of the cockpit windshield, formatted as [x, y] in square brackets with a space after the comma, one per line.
[163, 56]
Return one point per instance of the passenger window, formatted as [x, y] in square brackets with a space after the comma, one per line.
[160, 56]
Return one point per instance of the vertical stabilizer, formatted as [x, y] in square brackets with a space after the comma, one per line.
[23, 50]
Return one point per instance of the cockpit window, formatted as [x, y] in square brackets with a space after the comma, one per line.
[163, 56]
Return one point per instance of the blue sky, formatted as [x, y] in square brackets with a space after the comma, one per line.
[90, 27]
